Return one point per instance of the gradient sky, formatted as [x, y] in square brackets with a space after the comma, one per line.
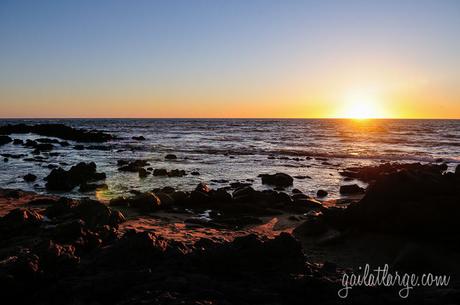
[221, 58]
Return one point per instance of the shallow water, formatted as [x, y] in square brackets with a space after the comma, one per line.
[240, 149]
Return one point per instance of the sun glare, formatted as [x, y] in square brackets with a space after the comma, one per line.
[361, 105]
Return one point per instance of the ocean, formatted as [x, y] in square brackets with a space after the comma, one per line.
[238, 150]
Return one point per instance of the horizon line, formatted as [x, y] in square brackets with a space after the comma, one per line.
[217, 118]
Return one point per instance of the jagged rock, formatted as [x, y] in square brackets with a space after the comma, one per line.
[62, 180]
[170, 157]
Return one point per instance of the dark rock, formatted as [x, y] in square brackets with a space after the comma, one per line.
[244, 194]
[61, 180]
[146, 201]
[42, 201]
[170, 157]
[5, 159]
[132, 166]
[79, 147]
[202, 187]
[250, 253]
[139, 138]
[321, 193]
[58, 131]
[5, 139]
[177, 173]
[91, 187]
[95, 213]
[236, 185]
[278, 179]
[18, 142]
[30, 178]
[160, 172]
[143, 172]
[195, 173]
[119, 202]
[351, 189]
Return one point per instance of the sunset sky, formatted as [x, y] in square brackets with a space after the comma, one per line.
[221, 58]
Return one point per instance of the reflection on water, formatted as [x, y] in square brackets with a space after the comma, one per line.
[237, 150]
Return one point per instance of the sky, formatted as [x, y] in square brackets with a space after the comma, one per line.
[218, 58]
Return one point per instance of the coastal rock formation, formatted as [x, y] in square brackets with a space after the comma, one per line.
[58, 131]
[5, 140]
[62, 180]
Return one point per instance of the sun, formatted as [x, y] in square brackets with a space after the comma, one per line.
[361, 105]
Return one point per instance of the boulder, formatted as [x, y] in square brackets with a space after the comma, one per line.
[30, 178]
[160, 172]
[278, 179]
[143, 172]
[321, 193]
[62, 180]
[147, 201]
[351, 189]
[170, 157]
[5, 140]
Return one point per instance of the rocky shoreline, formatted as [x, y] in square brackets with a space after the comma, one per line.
[227, 245]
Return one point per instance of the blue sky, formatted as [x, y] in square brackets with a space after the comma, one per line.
[221, 55]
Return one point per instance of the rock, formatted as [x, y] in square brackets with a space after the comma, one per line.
[202, 187]
[18, 142]
[95, 213]
[160, 172]
[91, 187]
[143, 172]
[146, 201]
[278, 179]
[5, 140]
[24, 216]
[195, 173]
[170, 157]
[119, 201]
[5, 159]
[133, 166]
[79, 147]
[61, 180]
[457, 170]
[139, 138]
[30, 178]
[351, 189]
[176, 173]
[58, 131]
[321, 193]
[236, 185]
[41, 201]
[220, 195]
[244, 194]
[165, 199]
[249, 253]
